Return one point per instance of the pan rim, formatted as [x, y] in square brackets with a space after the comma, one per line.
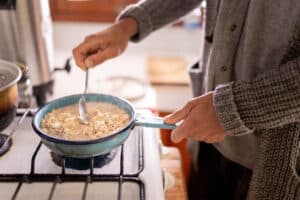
[54, 139]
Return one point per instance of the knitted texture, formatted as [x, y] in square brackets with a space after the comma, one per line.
[152, 14]
[245, 107]
[144, 21]
[274, 176]
[253, 103]
[227, 111]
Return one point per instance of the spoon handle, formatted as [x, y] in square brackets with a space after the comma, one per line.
[86, 81]
[15, 126]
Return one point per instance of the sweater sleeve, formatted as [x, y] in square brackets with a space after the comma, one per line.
[153, 14]
[271, 100]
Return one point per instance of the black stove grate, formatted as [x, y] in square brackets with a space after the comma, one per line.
[62, 177]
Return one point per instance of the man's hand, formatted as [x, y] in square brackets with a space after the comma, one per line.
[199, 121]
[111, 42]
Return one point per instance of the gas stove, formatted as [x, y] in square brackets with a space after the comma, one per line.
[30, 171]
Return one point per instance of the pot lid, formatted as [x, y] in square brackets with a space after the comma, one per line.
[10, 74]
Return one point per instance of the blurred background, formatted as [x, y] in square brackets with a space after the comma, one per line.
[160, 61]
[151, 74]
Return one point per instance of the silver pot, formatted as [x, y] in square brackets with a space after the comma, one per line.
[10, 74]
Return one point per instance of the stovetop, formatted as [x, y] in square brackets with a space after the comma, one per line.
[28, 172]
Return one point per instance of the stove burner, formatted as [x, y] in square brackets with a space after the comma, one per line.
[83, 163]
[2, 140]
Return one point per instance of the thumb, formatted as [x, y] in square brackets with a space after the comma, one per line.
[179, 114]
[101, 56]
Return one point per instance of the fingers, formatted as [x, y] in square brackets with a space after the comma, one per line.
[88, 47]
[79, 58]
[183, 131]
[98, 47]
[180, 114]
[90, 37]
[186, 129]
[91, 53]
[197, 124]
[177, 115]
[101, 56]
[199, 121]
[179, 133]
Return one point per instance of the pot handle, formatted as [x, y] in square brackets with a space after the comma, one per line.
[153, 122]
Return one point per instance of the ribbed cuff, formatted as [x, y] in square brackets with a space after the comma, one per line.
[227, 111]
[143, 19]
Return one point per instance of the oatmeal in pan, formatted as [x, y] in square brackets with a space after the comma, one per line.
[103, 119]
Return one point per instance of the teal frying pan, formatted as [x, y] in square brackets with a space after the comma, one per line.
[95, 147]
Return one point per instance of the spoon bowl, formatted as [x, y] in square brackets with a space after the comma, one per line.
[82, 110]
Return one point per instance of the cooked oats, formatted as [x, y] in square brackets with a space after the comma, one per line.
[103, 119]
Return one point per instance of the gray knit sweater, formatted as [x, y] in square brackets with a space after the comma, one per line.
[251, 60]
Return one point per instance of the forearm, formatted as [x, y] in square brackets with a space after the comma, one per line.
[153, 14]
[271, 100]
[128, 26]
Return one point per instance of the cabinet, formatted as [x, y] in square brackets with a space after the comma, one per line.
[87, 10]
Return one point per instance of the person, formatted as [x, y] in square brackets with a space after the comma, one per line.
[244, 117]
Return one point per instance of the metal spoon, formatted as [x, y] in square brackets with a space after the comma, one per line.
[4, 146]
[82, 101]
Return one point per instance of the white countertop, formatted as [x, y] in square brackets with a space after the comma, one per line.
[170, 41]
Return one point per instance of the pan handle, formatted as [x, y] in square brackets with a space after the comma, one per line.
[153, 122]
